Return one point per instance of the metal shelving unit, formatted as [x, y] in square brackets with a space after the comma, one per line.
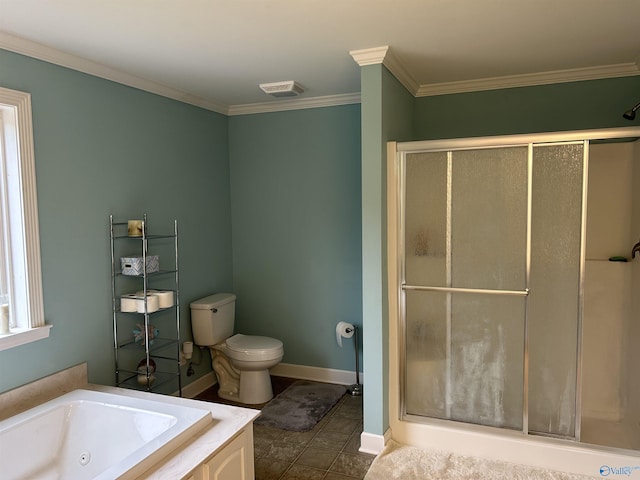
[135, 357]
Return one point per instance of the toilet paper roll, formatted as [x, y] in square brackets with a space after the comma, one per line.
[165, 297]
[152, 304]
[128, 303]
[344, 330]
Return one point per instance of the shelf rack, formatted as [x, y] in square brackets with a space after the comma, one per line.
[163, 351]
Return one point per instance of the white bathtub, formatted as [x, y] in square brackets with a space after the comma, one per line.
[94, 435]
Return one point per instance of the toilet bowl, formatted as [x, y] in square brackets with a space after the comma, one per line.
[241, 362]
[251, 357]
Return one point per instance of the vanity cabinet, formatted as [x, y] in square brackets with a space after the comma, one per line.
[146, 306]
[233, 462]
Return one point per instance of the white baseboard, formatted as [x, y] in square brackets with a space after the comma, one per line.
[328, 375]
[304, 372]
[198, 386]
[372, 443]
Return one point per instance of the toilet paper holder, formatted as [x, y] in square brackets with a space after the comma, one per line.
[356, 389]
[347, 330]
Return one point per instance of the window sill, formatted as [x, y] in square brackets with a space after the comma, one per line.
[22, 336]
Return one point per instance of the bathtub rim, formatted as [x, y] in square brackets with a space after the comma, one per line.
[232, 421]
[188, 422]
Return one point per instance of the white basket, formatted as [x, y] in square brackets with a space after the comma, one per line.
[133, 265]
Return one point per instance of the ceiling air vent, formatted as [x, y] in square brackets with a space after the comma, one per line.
[282, 89]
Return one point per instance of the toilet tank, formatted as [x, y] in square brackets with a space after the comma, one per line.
[212, 318]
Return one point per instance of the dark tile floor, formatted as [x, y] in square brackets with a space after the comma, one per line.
[327, 452]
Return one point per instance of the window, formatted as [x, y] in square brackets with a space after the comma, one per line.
[20, 274]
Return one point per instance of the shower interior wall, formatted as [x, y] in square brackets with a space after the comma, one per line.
[611, 387]
[634, 329]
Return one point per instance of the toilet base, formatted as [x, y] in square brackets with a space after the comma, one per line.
[255, 387]
[229, 396]
[227, 376]
[243, 386]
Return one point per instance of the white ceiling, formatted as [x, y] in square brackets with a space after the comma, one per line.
[220, 50]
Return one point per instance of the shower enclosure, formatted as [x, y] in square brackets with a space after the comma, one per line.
[491, 254]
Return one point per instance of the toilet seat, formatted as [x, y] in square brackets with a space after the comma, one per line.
[253, 348]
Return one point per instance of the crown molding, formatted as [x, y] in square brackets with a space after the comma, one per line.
[297, 104]
[42, 52]
[384, 55]
[370, 56]
[532, 79]
[397, 68]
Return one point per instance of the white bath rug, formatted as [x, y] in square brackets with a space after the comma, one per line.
[401, 462]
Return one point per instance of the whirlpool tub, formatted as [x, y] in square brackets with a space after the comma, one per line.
[94, 435]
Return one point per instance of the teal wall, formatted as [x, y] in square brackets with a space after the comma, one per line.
[545, 108]
[295, 196]
[105, 148]
[387, 113]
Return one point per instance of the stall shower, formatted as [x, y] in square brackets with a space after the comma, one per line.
[611, 386]
[515, 280]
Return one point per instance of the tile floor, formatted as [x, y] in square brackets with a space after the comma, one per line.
[327, 452]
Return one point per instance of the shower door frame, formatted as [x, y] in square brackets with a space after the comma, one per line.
[396, 152]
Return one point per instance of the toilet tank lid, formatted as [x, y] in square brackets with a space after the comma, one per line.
[213, 301]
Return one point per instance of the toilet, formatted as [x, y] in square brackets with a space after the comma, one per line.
[241, 362]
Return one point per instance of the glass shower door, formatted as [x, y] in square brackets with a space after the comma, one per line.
[464, 275]
[491, 269]
[555, 302]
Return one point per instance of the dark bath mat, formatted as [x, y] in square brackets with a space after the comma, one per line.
[301, 405]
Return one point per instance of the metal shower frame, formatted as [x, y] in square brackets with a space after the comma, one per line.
[529, 140]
